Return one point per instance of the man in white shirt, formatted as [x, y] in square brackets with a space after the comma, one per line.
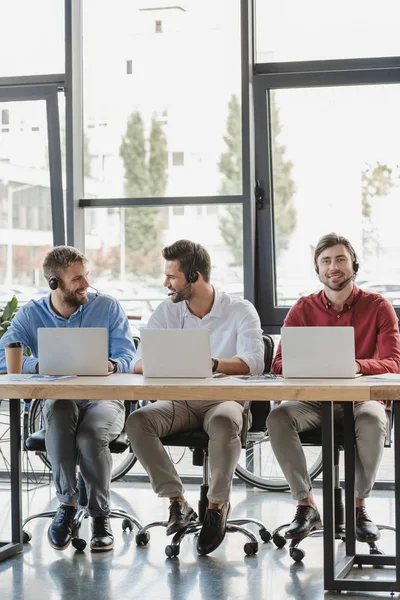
[237, 348]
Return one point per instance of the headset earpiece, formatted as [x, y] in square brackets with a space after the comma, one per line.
[192, 277]
[355, 267]
[317, 269]
[53, 283]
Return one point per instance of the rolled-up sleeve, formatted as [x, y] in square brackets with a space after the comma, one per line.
[250, 345]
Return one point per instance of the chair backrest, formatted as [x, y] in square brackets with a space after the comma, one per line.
[260, 409]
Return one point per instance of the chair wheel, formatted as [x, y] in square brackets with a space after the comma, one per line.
[250, 548]
[142, 538]
[265, 535]
[297, 554]
[79, 544]
[127, 524]
[171, 550]
[278, 540]
[26, 536]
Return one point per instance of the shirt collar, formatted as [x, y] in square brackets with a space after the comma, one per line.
[351, 300]
[73, 316]
[215, 309]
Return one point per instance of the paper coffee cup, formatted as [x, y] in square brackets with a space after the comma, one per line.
[14, 351]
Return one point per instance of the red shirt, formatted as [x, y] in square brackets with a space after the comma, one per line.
[376, 328]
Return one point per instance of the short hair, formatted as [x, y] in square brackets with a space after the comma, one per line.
[190, 256]
[333, 239]
[59, 259]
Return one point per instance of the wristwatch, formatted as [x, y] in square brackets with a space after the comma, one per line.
[215, 364]
[114, 362]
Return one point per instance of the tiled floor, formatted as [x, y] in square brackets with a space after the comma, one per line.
[129, 572]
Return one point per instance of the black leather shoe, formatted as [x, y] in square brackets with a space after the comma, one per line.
[102, 535]
[366, 530]
[214, 528]
[305, 520]
[60, 531]
[180, 515]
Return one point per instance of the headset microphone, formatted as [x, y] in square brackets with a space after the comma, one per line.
[96, 290]
[177, 291]
[346, 281]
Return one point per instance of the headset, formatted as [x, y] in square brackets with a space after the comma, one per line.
[53, 282]
[192, 276]
[356, 266]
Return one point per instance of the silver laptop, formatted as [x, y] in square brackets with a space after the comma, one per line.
[75, 351]
[318, 352]
[176, 352]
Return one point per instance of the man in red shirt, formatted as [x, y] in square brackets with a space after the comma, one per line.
[377, 347]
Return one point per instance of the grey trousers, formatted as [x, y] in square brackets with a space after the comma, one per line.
[223, 423]
[79, 432]
[289, 418]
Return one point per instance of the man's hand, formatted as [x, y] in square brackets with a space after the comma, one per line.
[112, 367]
[138, 367]
[358, 368]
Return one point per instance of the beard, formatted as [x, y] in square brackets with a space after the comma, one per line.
[72, 299]
[180, 296]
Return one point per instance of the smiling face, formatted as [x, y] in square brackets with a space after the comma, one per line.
[335, 267]
[175, 281]
[74, 284]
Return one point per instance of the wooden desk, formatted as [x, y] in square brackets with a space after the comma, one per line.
[136, 387]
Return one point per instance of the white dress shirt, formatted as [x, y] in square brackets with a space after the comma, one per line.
[233, 323]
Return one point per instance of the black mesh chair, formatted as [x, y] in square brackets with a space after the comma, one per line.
[36, 443]
[197, 441]
[314, 438]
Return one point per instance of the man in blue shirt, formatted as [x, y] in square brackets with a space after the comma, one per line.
[77, 431]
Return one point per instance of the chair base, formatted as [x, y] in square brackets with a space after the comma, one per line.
[128, 522]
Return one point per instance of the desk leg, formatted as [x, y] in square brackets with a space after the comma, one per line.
[349, 477]
[328, 495]
[396, 416]
[15, 546]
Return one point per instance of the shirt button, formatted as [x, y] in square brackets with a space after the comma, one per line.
[338, 316]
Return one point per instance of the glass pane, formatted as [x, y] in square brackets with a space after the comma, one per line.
[162, 112]
[31, 37]
[289, 30]
[25, 208]
[336, 168]
[124, 249]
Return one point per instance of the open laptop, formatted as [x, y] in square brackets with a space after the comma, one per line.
[73, 351]
[176, 353]
[318, 352]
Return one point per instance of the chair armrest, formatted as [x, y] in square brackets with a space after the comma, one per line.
[246, 423]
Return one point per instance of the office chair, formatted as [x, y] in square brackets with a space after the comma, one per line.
[35, 442]
[314, 438]
[197, 441]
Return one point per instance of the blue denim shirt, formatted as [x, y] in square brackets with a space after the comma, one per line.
[99, 311]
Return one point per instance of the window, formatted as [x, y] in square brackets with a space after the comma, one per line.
[124, 248]
[5, 116]
[156, 108]
[178, 159]
[289, 30]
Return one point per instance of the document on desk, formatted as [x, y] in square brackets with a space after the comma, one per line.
[34, 376]
[255, 378]
[385, 377]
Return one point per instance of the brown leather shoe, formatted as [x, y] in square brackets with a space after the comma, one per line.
[366, 530]
[214, 528]
[102, 535]
[305, 520]
[180, 515]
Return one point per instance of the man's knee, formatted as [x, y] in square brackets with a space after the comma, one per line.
[224, 424]
[279, 419]
[138, 422]
[60, 410]
[370, 424]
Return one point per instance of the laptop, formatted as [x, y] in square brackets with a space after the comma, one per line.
[73, 351]
[176, 353]
[318, 352]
